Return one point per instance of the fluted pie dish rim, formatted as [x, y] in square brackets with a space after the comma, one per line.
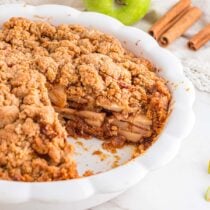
[178, 126]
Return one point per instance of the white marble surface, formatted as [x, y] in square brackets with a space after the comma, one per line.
[181, 184]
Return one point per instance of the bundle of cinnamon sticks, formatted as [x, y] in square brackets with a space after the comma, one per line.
[176, 21]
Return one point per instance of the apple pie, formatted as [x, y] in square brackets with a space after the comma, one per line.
[68, 80]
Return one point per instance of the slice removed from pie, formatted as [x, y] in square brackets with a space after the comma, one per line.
[111, 102]
[86, 77]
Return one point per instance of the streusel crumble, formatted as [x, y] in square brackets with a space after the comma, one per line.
[86, 77]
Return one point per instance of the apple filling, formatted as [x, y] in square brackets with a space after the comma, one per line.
[110, 101]
[105, 126]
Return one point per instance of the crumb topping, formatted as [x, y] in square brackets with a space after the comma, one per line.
[97, 87]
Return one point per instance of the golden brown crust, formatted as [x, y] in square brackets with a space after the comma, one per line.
[99, 88]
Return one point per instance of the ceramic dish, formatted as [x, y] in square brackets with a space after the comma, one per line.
[90, 191]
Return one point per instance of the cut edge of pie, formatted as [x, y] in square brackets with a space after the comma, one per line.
[98, 88]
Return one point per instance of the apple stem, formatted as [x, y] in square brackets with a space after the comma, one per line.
[120, 2]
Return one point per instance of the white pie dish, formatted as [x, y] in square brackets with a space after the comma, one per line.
[90, 191]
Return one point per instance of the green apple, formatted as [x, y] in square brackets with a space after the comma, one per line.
[207, 195]
[127, 11]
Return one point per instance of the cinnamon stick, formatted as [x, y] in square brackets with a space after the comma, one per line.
[201, 38]
[171, 17]
[187, 20]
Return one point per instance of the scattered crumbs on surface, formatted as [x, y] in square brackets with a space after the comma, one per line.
[82, 145]
[137, 42]
[174, 85]
[116, 161]
[69, 15]
[124, 42]
[108, 146]
[88, 173]
[24, 5]
[137, 151]
[117, 157]
[102, 155]
[187, 89]
[85, 148]
[141, 149]
[182, 82]
[115, 164]
[207, 195]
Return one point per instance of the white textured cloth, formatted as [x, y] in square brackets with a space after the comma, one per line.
[196, 64]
